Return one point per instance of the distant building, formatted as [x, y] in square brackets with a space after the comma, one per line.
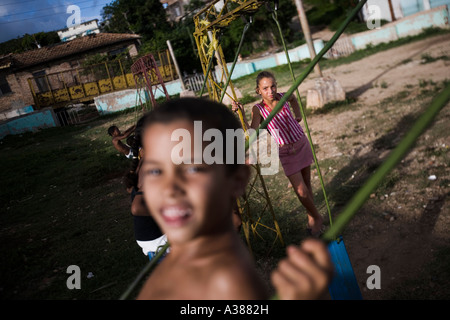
[175, 9]
[80, 30]
[391, 10]
[23, 73]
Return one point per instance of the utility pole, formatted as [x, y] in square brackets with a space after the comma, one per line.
[391, 10]
[169, 45]
[326, 89]
[307, 33]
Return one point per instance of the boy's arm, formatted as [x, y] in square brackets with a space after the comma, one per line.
[127, 133]
[305, 273]
[120, 146]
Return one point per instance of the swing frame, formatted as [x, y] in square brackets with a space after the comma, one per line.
[208, 25]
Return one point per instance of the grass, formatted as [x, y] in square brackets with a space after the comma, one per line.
[337, 106]
[62, 204]
[426, 58]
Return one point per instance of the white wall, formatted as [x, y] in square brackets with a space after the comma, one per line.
[384, 9]
[81, 29]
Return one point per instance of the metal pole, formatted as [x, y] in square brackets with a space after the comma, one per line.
[176, 65]
[307, 33]
[216, 53]
[235, 60]
[391, 9]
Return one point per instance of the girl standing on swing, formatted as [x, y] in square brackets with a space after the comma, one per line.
[294, 149]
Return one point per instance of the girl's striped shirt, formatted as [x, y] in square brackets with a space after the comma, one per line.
[283, 127]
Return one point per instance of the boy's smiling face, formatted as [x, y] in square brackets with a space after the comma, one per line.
[186, 200]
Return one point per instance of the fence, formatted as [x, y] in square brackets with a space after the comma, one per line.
[67, 116]
[341, 48]
[83, 84]
[74, 114]
[195, 82]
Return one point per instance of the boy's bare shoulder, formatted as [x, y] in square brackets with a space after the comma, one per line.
[217, 279]
[230, 280]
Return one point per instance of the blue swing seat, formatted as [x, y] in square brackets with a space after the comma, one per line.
[344, 285]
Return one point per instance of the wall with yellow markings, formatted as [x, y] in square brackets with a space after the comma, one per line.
[83, 84]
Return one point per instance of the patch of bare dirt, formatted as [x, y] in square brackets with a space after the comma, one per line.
[403, 225]
[396, 68]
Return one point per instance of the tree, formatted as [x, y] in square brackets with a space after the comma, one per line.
[148, 19]
[263, 32]
[115, 19]
[29, 42]
[144, 17]
[329, 12]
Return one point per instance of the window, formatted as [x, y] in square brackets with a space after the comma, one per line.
[114, 53]
[4, 86]
[41, 81]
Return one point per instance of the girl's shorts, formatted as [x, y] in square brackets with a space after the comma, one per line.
[152, 245]
[296, 156]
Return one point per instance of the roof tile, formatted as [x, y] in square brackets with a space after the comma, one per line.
[72, 47]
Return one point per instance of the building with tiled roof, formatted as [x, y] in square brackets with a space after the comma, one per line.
[16, 69]
[66, 50]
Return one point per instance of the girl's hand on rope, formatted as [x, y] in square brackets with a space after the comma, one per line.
[235, 106]
[305, 273]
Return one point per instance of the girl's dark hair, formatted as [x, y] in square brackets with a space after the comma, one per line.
[212, 114]
[263, 74]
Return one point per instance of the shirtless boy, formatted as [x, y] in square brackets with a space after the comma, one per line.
[193, 202]
[117, 136]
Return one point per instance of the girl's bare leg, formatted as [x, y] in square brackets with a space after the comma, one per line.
[301, 182]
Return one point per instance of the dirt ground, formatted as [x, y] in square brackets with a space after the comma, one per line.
[402, 230]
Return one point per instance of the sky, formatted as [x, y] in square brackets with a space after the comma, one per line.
[18, 17]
